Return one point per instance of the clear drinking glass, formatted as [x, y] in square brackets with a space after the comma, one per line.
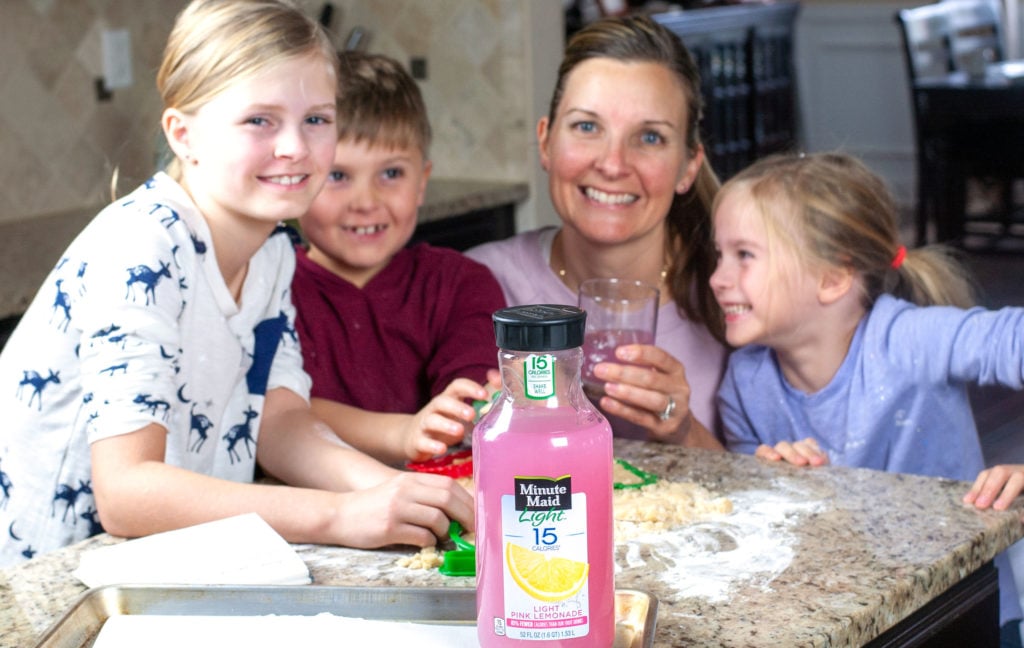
[619, 311]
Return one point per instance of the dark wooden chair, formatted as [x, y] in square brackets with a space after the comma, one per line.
[975, 34]
[959, 38]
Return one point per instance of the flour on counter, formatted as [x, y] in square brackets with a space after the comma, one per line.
[752, 545]
[708, 558]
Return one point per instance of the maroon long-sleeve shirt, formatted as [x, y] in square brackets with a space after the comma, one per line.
[394, 344]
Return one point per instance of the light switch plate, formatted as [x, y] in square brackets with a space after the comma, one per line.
[117, 58]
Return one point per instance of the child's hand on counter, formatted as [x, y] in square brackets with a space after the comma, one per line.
[997, 487]
[798, 453]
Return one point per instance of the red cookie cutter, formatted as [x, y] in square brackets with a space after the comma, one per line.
[456, 464]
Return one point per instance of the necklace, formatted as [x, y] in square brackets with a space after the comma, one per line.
[557, 248]
[664, 273]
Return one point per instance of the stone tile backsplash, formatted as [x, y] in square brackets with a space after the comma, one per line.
[60, 145]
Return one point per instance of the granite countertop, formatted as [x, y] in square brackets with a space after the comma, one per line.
[839, 554]
[29, 247]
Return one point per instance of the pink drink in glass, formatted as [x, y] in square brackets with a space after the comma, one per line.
[599, 346]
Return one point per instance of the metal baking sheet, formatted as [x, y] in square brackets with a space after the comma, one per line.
[635, 611]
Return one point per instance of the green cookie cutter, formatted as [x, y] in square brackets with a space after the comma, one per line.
[646, 478]
[461, 561]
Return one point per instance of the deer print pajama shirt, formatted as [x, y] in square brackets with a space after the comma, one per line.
[133, 326]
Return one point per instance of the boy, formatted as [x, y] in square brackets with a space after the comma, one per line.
[395, 338]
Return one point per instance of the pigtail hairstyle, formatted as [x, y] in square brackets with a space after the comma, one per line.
[214, 43]
[843, 215]
[932, 275]
[690, 247]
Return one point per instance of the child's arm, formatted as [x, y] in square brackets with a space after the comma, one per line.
[338, 496]
[798, 453]
[397, 438]
[997, 487]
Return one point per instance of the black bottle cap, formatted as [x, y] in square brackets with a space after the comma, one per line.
[539, 327]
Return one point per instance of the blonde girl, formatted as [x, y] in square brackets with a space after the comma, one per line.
[158, 364]
[853, 350]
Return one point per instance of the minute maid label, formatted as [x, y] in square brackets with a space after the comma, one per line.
[544, 530]
[543, 494]
[539, 376]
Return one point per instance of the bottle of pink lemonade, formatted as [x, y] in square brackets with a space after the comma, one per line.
[542, 463]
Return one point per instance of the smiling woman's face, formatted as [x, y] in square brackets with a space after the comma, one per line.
[616, 151]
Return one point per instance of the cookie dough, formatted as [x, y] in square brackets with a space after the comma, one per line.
[660, 506]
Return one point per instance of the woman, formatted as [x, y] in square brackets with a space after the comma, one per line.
[628, 178]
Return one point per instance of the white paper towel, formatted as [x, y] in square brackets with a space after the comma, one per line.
[240, 550]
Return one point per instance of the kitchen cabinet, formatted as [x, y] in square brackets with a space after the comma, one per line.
[7, 325]
[462, 213]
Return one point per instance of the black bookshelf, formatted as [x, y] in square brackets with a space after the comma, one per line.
[745, 56]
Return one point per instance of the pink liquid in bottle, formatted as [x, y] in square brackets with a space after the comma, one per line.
[600, 345]
[542, 462]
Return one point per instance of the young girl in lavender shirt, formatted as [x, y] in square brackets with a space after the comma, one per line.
[853, 350]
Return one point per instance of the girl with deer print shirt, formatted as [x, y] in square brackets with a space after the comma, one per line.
[159, 362]
[108, 339]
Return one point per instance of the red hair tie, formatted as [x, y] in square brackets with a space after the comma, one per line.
[901, 254]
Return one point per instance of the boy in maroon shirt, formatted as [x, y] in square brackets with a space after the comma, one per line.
[396, 339]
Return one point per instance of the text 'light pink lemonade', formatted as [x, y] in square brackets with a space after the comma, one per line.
[542, 464]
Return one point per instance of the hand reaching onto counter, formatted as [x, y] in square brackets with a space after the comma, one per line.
[396, 438]
[329, 493]
[799, 453]
[651, 391]
[997, 487]
[410, 508]
[444, 421]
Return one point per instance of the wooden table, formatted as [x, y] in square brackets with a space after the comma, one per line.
[961, 117]
[822, 557]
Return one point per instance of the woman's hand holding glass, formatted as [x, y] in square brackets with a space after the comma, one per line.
[648, 388]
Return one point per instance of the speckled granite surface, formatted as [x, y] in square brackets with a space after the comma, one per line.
[839, 554]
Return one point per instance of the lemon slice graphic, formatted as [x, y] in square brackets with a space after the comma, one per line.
[545, 578]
